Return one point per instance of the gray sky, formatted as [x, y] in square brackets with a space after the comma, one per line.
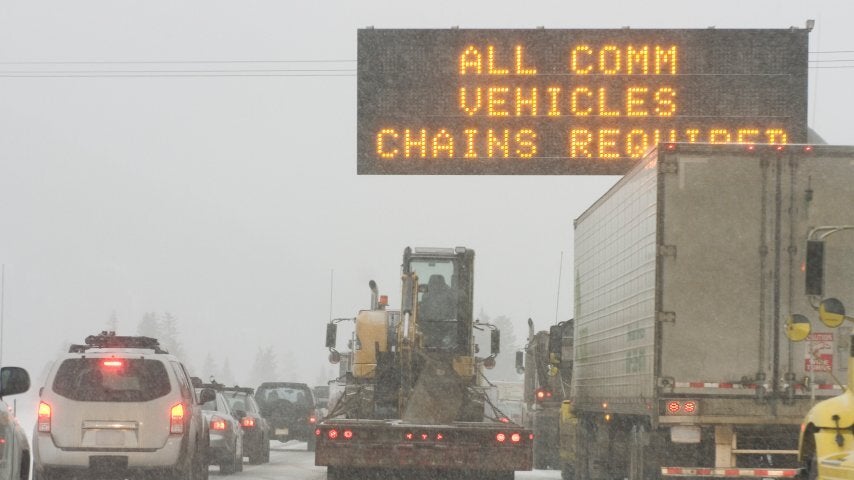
[228, 201]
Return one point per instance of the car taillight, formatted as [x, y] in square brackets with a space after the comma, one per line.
[218, 424]
[312, 419]
[176, 419]
[247, 422]
[45, 414]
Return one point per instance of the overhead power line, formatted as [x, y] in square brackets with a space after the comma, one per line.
[153, 62]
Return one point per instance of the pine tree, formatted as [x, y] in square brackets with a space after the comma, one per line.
[226, 373]
[265, 368]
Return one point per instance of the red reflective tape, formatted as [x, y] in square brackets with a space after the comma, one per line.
[725, 385]
[697, 384]
[671, 471]
[703, 471]
[731, 472]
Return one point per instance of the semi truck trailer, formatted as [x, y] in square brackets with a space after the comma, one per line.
[687, 273]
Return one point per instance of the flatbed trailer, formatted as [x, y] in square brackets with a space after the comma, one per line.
[349, 446]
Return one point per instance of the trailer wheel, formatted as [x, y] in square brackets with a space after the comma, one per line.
[507, 475]
[567, 472]
[812, 470]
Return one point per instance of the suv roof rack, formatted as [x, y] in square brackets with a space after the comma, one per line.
[235, 388]
[111, 340]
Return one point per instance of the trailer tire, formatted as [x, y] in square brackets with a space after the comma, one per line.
[506, 475]
[567, 472]
[337, 473]
[812, 472]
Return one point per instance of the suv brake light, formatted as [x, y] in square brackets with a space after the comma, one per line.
[176, 419]
[112, 363]
[45, 414]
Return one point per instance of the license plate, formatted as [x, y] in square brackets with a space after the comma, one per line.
[281, 431]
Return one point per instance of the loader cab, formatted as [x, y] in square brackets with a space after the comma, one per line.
[444, 303]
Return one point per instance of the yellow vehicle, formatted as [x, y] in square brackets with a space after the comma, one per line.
[826, 446]
[413, 399]
[826, 443]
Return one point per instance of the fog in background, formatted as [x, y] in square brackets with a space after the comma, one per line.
[232, 202]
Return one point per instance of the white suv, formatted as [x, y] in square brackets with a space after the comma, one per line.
[119, 405]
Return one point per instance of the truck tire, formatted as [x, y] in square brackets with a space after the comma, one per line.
[340, 473]
[812, 470]
[506, 475]
[567, 472]
[546, 440]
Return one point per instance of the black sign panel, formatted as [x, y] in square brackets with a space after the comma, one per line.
[570, 101]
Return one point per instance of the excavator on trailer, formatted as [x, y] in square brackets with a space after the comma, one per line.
[413, 398]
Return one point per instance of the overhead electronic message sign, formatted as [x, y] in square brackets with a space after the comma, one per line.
[570, 101]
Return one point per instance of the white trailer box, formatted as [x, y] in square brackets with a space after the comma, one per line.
[686, 272]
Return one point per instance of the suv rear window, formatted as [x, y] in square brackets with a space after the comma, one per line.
[294, 393]
[111, 379]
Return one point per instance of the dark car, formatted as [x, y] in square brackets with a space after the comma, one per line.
[226, 435]
[256, 429]
[289, 408]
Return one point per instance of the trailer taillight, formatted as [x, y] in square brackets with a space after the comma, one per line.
[316, 432]
[409, 436]
[681, 407]
[542, 395]
[332, 434]
[348, 434]
[500, 437]
[515, 437]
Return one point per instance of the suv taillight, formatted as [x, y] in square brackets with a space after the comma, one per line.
[44, 418]
[248, 422]
[176, 419]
